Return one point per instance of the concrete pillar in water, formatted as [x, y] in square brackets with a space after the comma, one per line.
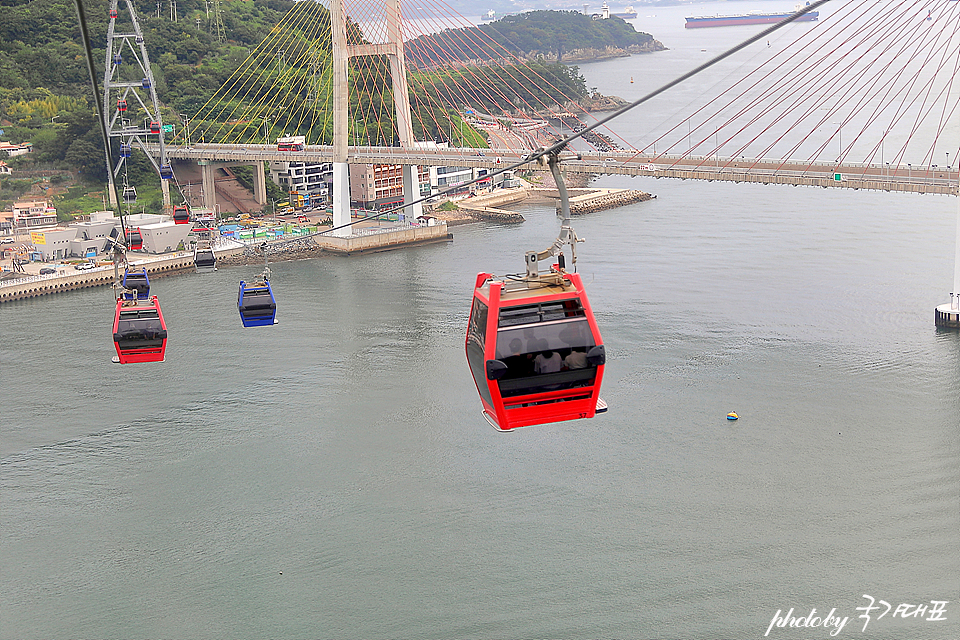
[948, 315]
[259, 184]
[341, 198]
[341, 175]
[208, 172]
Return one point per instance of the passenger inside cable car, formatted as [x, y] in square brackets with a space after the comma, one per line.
[539, 358]
[258, 307]
[139, 333]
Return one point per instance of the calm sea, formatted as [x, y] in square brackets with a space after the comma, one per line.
[331, 477]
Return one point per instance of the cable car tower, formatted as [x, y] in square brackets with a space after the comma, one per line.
[131, 110]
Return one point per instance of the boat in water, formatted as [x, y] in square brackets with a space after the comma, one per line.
[489, 16]
[699, 22]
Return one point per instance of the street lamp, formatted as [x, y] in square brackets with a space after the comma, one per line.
[186, 126]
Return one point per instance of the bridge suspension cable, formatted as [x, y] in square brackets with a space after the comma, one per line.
[873, 82]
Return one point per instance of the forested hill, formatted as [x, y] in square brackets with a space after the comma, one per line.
[551, 34]
[40, 42]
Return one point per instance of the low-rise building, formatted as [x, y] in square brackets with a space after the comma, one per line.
[13, 150]
[33, 214]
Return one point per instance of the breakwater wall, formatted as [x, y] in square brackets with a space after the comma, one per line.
[584, 201]
[33, 286]
[313, 246]
[488, 206]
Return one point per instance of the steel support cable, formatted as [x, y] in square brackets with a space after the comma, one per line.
[477, 83]
[905, 104]
[751, 80]
[559, 146]
[891, 27]
[292, 108]
[814, 71]
[254, 57]
[943, 94]
[840, 82]
[419, 76]
[892, 30]
[517, 65]
[279, 36]
[928, 85]
[294, 75]
[494, 45]
[944, 116]
[443, 97]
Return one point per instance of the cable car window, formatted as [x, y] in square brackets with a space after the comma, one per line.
[476, 331]
[546, 356]
[540, 312]
[139, 329]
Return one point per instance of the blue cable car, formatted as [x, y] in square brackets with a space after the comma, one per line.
[166, 171]
[145, 83]
[136, 284]
[124, 148]
[117, 59]
[258, 307]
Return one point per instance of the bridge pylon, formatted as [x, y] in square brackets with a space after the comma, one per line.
[392, 48]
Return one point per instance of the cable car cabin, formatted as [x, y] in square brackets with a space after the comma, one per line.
[534, 350]
[154, 127]
[113, 13]
[129, 195]
[145, 83]
[166, 172]
[181, 214]
[139, 332]
[204, 259]
[124, 148]
[256, 303]
[137, 284]
[117, 59]
[122, 106]
[135, 239]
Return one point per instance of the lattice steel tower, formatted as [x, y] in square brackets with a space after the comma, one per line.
[130, 106]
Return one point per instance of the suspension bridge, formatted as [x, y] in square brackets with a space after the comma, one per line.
[864, 98]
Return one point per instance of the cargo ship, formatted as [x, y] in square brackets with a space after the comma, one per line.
[699, 22]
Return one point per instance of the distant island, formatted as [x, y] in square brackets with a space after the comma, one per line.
[564, 36]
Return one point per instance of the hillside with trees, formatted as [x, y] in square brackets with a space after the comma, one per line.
[547, 34]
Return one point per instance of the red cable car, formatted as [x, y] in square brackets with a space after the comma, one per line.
[139, 332]
[113, 13]
[181, 214]
[135, 239]
[533, 344]
[121, 105]
[535, 350]
[154, 127]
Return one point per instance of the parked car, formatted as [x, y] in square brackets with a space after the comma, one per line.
[47, 271]
[6, 241]
[83, 266]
